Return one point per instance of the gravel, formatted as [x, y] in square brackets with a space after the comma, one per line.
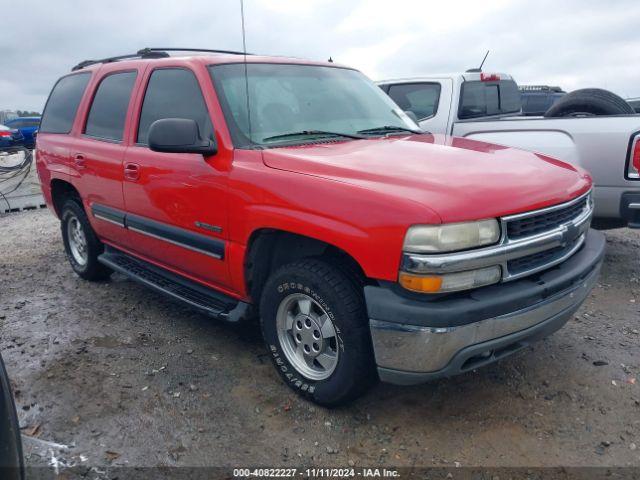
[114, 374]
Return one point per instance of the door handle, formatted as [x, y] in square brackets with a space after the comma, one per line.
[79, 160]
[132, 171]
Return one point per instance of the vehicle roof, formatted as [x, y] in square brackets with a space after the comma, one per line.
[211, 59]
[466, 76]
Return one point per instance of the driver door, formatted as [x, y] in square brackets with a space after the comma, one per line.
[176, 203]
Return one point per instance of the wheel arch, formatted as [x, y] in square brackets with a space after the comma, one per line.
[61, 190]
[270, 248]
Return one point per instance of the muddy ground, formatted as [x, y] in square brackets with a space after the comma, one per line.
[114, 374]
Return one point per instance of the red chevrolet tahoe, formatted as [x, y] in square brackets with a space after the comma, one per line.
[298, 193]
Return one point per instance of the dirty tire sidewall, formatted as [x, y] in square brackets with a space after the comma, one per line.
[93, 269]
[338, 296]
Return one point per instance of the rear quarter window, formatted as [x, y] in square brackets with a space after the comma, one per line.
[63, 102]
[478, 99]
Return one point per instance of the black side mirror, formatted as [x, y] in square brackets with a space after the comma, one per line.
[179, 135]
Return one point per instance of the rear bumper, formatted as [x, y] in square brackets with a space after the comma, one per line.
[616, 204]
[415, 340]
[630, 208]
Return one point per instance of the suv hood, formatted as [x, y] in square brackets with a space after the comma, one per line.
[457, 178]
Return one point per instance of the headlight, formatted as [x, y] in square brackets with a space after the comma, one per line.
[451, 237]
[450, 282]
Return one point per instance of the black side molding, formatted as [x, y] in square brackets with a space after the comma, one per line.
[178, 236]
[162, 231]
[109, 214]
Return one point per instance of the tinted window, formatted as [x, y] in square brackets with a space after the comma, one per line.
[420, 98]
[173, 93]
[109, 109]
[489, 98]
[63, 102]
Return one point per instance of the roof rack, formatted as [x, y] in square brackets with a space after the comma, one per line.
[540, 88]
[147, 53]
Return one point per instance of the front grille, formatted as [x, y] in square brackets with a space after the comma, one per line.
[531, 262]
[543, 222]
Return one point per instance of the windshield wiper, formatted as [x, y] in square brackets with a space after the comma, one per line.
[314, 133]
[389, 128]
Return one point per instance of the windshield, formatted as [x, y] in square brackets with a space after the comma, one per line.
[301, 103]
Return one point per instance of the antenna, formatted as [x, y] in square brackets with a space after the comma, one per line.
[246, 75]
[479, 69]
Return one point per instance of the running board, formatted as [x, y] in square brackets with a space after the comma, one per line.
[207, 300]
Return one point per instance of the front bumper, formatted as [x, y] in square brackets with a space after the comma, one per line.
[415, 340]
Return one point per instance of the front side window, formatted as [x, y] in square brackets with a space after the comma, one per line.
[63, 103]
[419, 98]
[286, 99]
[173, 93]
[109, 108]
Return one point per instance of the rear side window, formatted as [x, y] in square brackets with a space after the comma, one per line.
[419, 98]
[109, 108]
[478, 99]
[173, 93]
[63, 102]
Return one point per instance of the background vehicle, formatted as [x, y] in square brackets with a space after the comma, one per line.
[298, 192]
[486, 107]
[635, 103]
[11, 462]
[28, 126]
[537, 99]
[10, 138]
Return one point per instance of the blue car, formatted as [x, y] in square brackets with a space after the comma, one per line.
[10, 138]
[28, 126]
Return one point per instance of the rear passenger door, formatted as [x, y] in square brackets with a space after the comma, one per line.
[98, 153]
[176, 202]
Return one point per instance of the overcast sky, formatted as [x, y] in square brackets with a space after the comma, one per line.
[573, 43]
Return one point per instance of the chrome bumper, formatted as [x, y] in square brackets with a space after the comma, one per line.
[410, 353]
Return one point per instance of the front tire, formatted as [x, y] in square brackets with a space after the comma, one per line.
[81, 243]
[316, 329]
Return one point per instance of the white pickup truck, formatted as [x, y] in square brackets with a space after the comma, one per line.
[486, 107]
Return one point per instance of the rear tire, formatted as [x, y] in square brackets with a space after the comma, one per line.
[589, 101]
[325, 352]
[81, 243]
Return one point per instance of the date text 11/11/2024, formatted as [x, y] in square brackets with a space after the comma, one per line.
[315, 473]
